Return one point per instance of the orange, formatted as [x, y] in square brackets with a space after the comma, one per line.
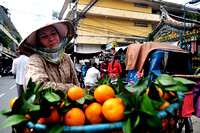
[93, 113]
[74, 117]
[13, 101]
[160, 92]
[163, 106]
[28, 116]
[53, 118]
[147, 91]
[103, 92]
[75, 93]
[62, 104]
[113, 109]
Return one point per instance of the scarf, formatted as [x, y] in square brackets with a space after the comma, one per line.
[53, 55]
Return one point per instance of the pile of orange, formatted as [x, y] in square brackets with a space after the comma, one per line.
[106, 106]
[165, 96]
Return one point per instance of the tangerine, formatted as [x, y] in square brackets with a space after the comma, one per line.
[93, 113]
[13, 101]
[75, 93]
[53, 118]
[163, 106]
[113, 109]
[74, 117]
[103, 92]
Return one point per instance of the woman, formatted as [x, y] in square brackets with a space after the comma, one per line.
[114, 69]
[48, 61]
[104, 68]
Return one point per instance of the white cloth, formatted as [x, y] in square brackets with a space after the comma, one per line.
[18, 68]
[92, 76]
[78, 67]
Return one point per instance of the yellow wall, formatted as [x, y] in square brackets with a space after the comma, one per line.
[101, 29]
[119, 4]
[111, 27]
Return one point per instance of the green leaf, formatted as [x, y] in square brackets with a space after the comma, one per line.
[121, 86]
[146, 106]
[13, 120]
[58, 128]
[137, 121]
[37, 87]
[51, 96]
[31, 106]
[30, 86]
[19, 107]
[126, 126]
[85, 91]
[165, 80]
[179, 87]
[61, 94]
[81, 100]
[157, 104]
[67, 103]
[129, 111]
[88, 97]
[153, 121]
[126, 98]
[183, 80]
[140, 85]
[5, 112]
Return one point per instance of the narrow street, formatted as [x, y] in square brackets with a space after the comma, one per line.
[7, 92]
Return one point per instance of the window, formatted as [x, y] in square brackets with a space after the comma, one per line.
[141, 5]
[140, 24]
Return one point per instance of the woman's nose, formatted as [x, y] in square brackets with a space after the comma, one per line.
[51, 38]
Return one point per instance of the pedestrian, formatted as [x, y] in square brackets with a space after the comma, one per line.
[18, 69]
[104, 68]
[114, 69]
[48, 61]
[78, 68]
[86, 67]
[92, 76]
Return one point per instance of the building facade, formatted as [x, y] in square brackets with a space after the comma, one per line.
[109, 21]
[9, 39]
[184, 34]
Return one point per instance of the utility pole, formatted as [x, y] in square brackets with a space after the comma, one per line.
[75, 27]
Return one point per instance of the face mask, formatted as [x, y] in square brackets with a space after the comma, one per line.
[53, 55]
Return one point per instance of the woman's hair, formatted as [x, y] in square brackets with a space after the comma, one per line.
[115, 58]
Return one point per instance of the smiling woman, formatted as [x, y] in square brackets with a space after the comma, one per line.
[48, 61]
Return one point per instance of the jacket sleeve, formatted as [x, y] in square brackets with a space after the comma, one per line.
[35, 69]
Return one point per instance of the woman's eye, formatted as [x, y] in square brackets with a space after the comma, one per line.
[43, 37]
[54, 33]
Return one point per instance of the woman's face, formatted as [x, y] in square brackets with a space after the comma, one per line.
[49, 37]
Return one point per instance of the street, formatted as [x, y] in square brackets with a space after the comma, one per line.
[7, 92]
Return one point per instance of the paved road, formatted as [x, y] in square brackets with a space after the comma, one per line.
[7, 92]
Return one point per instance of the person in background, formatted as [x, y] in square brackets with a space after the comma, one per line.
[92, 76]
[104, 68]
[48, 61]
[78, 68]
[85, 67]
[18, 69]
[114, 69]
